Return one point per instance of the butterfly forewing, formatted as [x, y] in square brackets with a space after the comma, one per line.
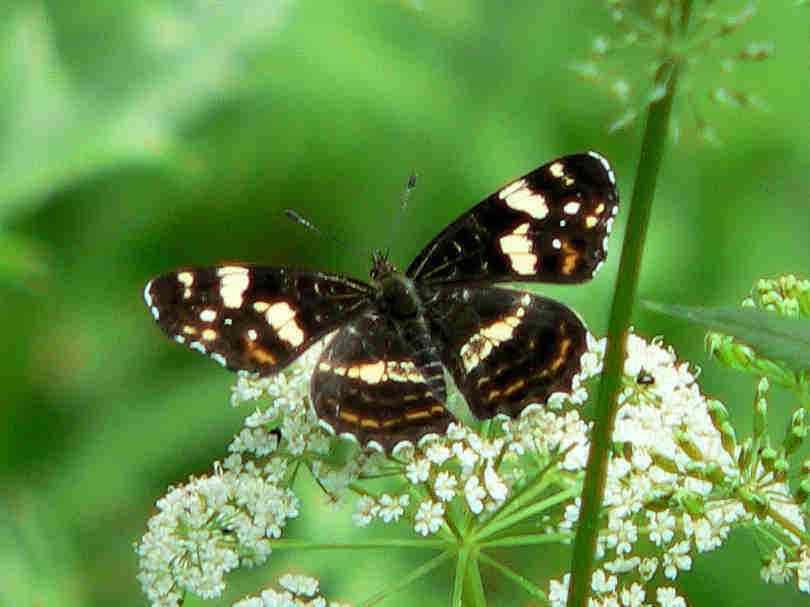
[505, 348]
[370, 383]
[252, 318]
[550, 225]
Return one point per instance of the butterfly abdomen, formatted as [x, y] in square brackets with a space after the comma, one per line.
[400, 301]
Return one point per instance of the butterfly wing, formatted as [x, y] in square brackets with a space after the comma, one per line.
[252, 318]
[550, 225]
[505, 348]
[368, 383]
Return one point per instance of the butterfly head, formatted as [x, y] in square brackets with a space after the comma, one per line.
[381, 266]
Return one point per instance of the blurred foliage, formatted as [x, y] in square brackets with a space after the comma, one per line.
[136, 137]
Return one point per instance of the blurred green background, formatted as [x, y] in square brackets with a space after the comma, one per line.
[136, 137]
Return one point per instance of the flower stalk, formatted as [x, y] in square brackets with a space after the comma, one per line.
[652, 152]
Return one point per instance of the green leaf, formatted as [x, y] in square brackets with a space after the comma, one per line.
[772, 336]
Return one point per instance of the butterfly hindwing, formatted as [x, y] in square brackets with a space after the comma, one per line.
[370, 383]
[505, 348]
[252, 318]
[550, 225]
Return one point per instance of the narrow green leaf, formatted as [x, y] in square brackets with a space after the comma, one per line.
[775, 337]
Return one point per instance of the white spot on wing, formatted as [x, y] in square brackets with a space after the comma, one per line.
[518, 248]
[147, 296]
[481, 344]
[372, 373]
[511, 188]
[186, 279]
[556, 243]
[195, 345]
[208, 315]
[155, 312]
[556, 170]
[605, 164]
[219, 358]
[252, 335]
[520, 197]
[233, 282]
[571, 208]
[281, 316]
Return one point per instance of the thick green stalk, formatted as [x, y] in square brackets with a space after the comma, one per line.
[475, 586]
[462, 559]
[652, 151]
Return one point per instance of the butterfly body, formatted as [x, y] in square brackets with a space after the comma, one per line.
[381, 377]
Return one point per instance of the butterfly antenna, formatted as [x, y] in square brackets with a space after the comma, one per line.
[403, 203]
[301, 220]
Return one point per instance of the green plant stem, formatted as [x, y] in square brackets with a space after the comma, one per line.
[530, 539]
[392, 543]
[518, 579]
[652, 151]
[462, 560]
[414, 575]
[492, 527]
[475, 587]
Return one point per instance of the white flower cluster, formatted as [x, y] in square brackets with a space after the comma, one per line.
[461, 465]
[297, 591]
[677, 484]
[607, 592]
[673, 483]
[208, 527]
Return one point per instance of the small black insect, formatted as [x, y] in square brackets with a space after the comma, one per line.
[381, 378]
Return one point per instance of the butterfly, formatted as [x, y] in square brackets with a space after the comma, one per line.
[381, 376]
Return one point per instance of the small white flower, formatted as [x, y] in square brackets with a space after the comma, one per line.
[392, 508]
[601, 583]
[456, 431]
[622, 535]
[445, 486]
[429, 518]
[366, 510]
[418, 471]
[558, 591]
[633, 596]
[475, 494]
[676, 558]
[301, 585]
[776, 570]
[437, 453]
[661, 527]
[466, 456]
[667, 597]
[571, 515]
[495, 486]
[803, 570]
[648, 568]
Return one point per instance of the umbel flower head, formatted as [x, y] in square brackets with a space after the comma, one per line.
[633, 63]
[678, 483]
